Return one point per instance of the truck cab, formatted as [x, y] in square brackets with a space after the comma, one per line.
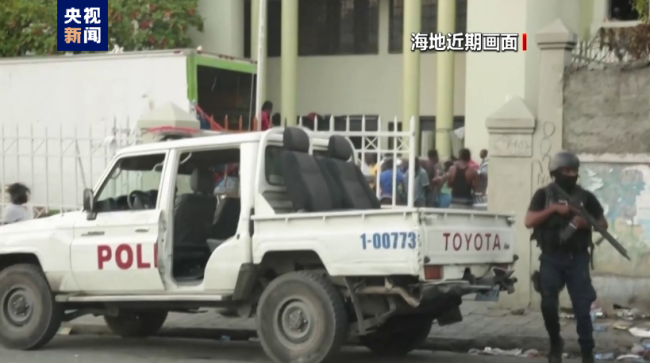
[279, 224]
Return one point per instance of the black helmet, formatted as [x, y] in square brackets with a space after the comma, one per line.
[564, 159]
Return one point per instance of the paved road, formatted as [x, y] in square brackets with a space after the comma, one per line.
[111, 350]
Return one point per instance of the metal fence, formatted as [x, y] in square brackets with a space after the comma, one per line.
[57, 161]
[616, 43]
[392, 145]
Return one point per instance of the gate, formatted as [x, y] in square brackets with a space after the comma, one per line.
[58, 161]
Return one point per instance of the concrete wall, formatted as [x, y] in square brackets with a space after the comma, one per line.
[606, 121]
[622, 185]
[607, 111]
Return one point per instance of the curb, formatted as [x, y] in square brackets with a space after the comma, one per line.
[434, 343]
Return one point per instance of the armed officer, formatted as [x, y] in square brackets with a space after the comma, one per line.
[566, 244]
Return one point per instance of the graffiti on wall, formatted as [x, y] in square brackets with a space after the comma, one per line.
[624, 192]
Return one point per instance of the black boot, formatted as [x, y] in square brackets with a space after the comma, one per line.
[588, 357]
[555, 354]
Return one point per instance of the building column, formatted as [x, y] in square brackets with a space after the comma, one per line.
[289, 62]
[411, 67]
[445, 81]
[586, 19]
[255, 24]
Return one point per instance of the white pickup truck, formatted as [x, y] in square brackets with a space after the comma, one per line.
[297, 240]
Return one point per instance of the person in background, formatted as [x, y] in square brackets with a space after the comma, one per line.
[484, 160]
[386, 183]
[370, 169]
[445, 190]
[267, 109]
[276, 120]
[16, 211]
[483, 172]
[472, 164]
[229, 182]
[312, 121]
[462, 181]
[421, 180]
[436, 172]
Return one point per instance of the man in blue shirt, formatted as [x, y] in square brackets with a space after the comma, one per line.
[386, 183]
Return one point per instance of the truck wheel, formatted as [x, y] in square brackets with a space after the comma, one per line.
[399, 335]
[136, 324]
[29, 315]
[301, 317]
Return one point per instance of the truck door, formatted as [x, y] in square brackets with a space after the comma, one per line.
[116, 252]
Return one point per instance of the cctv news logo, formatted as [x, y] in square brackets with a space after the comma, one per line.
[82, 25]
[468, 42]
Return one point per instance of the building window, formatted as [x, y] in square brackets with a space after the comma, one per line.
[325, 27]
[429, 21]
[622, 10]
[338, 27]
[273, 24]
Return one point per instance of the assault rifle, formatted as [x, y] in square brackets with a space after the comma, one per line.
[582, 212]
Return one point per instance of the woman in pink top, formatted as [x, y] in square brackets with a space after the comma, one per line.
[267, 109]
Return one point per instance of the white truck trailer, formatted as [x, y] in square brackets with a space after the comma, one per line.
[57, 110]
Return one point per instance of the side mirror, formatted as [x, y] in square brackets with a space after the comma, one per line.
[89, 204]
[89, 201]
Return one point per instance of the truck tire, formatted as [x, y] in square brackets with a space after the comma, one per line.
[301, 317]
[29, 315]
[399, 335]
[136, 324]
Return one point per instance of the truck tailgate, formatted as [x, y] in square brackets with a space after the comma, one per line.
[467, 237]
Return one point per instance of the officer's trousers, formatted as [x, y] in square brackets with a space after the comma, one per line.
[557, 270]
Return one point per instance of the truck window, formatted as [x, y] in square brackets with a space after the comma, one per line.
[207, 203]
[224, 163]
[135, 177]
[273, 164]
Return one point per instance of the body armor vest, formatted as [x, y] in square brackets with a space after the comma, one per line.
[548, 233]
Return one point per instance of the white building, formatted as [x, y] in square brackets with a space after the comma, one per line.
[349, 57]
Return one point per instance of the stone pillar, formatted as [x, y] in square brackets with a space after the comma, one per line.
[289, 63]
[411, 66]
[556, 43]
[255, 27]
[445, 80]
[510, 141]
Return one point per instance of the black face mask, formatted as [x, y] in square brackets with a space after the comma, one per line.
[566, 182]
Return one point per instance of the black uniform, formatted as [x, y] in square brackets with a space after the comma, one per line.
[566, 263]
